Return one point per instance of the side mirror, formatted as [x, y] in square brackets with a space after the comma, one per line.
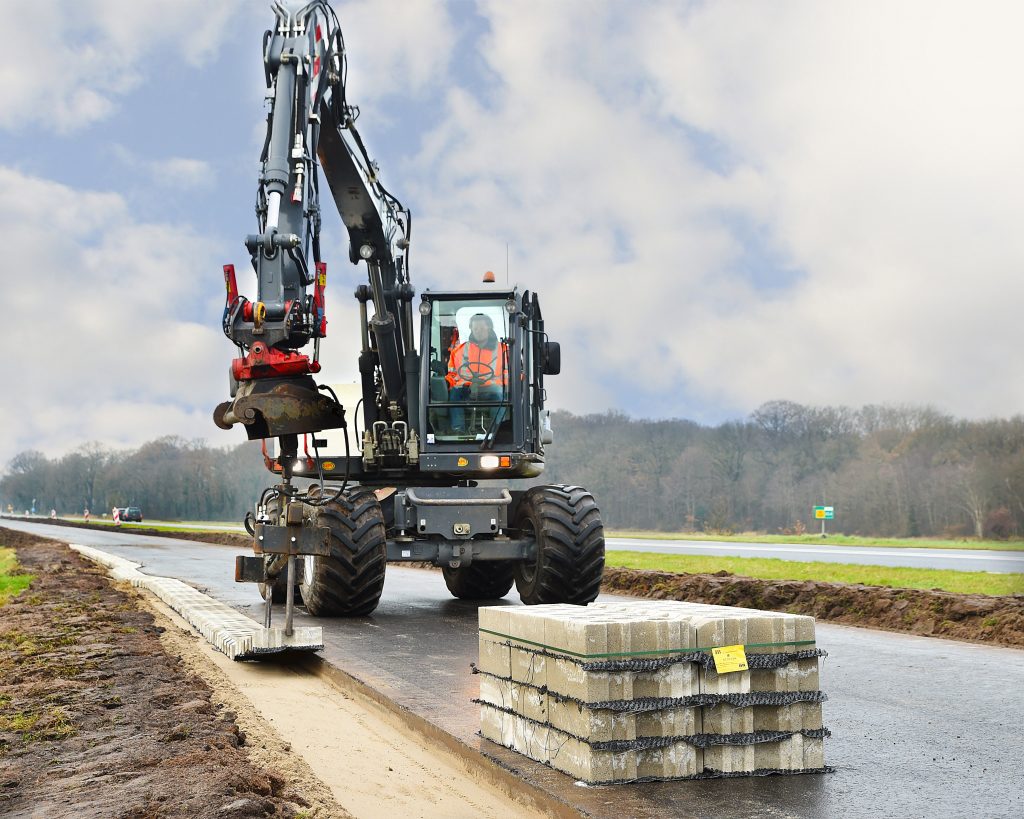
[551, 363]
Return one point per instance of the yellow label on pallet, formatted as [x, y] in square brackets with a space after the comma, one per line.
[729, 658]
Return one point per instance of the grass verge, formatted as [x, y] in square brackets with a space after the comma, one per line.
[11, 583]
[830, 540]
[772, 569]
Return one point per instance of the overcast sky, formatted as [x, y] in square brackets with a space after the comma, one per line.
[720, 203]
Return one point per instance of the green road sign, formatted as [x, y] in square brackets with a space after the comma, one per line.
[824, 512]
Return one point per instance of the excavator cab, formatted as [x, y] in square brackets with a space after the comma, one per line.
[483, 358]
[477, 358]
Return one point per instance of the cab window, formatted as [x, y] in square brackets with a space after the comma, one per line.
[469, 370]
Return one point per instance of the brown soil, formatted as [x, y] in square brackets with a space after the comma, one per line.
[975, 617]
[96, 719]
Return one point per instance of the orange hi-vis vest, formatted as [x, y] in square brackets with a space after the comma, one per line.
[480, 360]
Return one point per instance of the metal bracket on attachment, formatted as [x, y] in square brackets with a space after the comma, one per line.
[277, 545]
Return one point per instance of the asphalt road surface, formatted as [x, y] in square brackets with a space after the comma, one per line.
[965, 560]
[921, 726]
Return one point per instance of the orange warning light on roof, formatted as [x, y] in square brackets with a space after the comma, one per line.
[489, 277]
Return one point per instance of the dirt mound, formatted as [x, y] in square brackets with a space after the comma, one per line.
[97, 720]
[975, 617]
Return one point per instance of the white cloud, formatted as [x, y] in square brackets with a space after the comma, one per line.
[115, 322]
[175, 172]
[182, 173]
[628, 156]
[65, 65]
[395, 49]
[651, 167]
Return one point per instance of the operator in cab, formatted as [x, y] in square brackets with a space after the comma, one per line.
[477, 369]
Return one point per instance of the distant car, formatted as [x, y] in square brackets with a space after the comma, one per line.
[132, 513]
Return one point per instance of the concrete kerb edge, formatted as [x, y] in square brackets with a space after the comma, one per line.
[229, 631]
[488, 767]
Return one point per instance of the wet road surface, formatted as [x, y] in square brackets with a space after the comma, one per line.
[921, 726]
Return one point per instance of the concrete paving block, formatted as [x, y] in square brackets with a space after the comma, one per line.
[678, 680]
[730, 758]
[658, 633]
[672, 762]
[496, 692]
[493, 725]
[582, 762]
[814, 753]
[807, 671]
[531, 702]
[794, 717]
[785, 754]
[570, 680]
[495, 657]
[528, 666]
[765, 635]
[494, 619]
[530, 739]
[795, 753]
[669, 722]
[711, 682]
[789, 630]
[590, 636]
[595, 725]
[727, 719]
[786, 678]
[527, 623]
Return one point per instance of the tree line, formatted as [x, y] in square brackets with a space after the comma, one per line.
[169, 478]
[897, 471]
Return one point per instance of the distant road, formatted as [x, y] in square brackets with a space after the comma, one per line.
[964, 560]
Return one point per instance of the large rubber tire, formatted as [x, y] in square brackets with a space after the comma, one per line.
[569, 565]
[349, 582]
[487, 580]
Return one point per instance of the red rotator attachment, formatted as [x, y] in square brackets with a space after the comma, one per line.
[267, 362]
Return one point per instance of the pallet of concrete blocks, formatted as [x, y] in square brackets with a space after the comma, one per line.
[621, 692]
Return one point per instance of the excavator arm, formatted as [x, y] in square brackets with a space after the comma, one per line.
[310, 123]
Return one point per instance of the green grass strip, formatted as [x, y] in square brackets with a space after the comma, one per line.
[830, 540]
[11, 583]
[655, 652]
[895, 577]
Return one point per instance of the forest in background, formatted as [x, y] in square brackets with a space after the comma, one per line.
[892, 471]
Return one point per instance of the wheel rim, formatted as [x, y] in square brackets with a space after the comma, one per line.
[308, 569]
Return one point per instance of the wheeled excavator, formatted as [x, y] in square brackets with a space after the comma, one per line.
[445, 420]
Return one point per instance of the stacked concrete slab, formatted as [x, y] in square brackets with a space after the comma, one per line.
[617, 692]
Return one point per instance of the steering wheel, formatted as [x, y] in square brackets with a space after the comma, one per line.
[477, 373]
